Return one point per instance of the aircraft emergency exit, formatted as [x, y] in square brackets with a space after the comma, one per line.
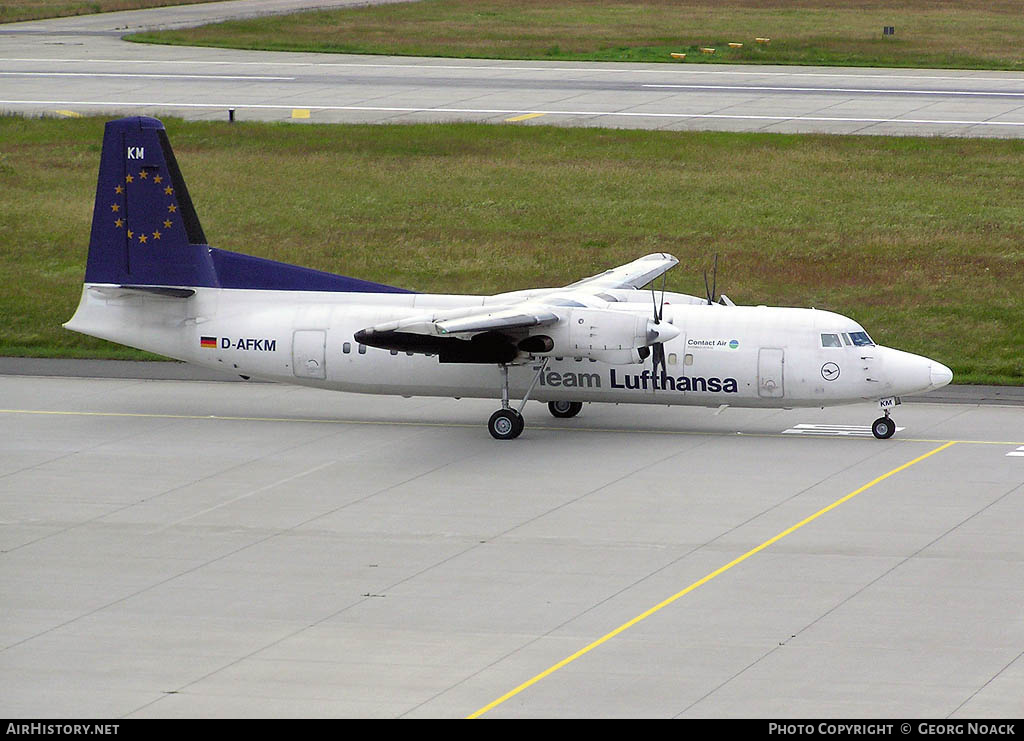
[153, 282]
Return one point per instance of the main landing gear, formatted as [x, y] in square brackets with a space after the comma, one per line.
[564, 409]
[507, 423]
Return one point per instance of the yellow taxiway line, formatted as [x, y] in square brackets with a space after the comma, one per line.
[717, 572]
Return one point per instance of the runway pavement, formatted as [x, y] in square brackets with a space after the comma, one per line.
[194, 548]
[80, 66]
[205, 549]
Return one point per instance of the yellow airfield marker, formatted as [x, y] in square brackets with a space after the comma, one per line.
[706, 50]
[734, 45]
[524, 117]
[69, 114]
[762, 40]
[300, 113]
[678, 55]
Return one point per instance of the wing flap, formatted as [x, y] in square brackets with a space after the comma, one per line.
[497, 320]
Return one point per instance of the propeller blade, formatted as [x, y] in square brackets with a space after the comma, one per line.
[661, 306]
[658, 355]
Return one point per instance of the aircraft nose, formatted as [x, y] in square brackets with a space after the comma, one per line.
[908, 373]
[940, 375]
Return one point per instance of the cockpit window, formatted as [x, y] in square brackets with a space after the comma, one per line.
[860, 339]
[830, 340]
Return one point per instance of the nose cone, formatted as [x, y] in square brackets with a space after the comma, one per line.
[907, 374]
[940, 375]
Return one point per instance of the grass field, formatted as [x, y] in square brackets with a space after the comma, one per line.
[921, 240]
[30, 10]
[980, 34]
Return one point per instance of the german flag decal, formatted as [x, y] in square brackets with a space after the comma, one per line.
[208, 342]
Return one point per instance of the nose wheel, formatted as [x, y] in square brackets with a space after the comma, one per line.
[883, 427]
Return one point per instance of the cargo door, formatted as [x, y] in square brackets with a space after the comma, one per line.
[770, 373]
[308, 353]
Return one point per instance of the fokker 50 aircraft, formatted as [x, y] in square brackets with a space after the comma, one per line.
[152, 282]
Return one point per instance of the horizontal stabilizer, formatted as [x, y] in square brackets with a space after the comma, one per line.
[162, 291]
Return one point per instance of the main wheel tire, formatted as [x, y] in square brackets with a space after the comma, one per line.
[564, 409]
[506, 424]
[883, 428]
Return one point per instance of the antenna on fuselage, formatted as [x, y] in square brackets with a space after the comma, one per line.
[710, 292]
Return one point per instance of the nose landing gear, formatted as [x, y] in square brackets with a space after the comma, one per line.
[883, 427]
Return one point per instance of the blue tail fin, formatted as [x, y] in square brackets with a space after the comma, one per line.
[145, 230]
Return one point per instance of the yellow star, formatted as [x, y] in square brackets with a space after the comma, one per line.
[156, 235]
[142, 238]
[119, 189]
[143, 174]
[118, 223]
[167, 223]
[115, 207]
[128, 178]
[158, 179]
[130, 234]
[172, 208]
[168, 190]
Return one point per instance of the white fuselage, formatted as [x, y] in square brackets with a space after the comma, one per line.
[750, 356]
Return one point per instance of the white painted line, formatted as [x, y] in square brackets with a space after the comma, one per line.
[139, 74]
[833, 430]
[879, 91]
[622, 68]
[1018, 452]
[512, 111]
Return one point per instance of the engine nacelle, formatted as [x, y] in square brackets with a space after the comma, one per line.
[610, 336]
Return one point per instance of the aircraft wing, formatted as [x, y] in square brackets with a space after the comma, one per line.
[634, 274]
[471, 321]
[501, 328]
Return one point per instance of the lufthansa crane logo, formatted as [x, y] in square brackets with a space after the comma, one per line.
[830, 371]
